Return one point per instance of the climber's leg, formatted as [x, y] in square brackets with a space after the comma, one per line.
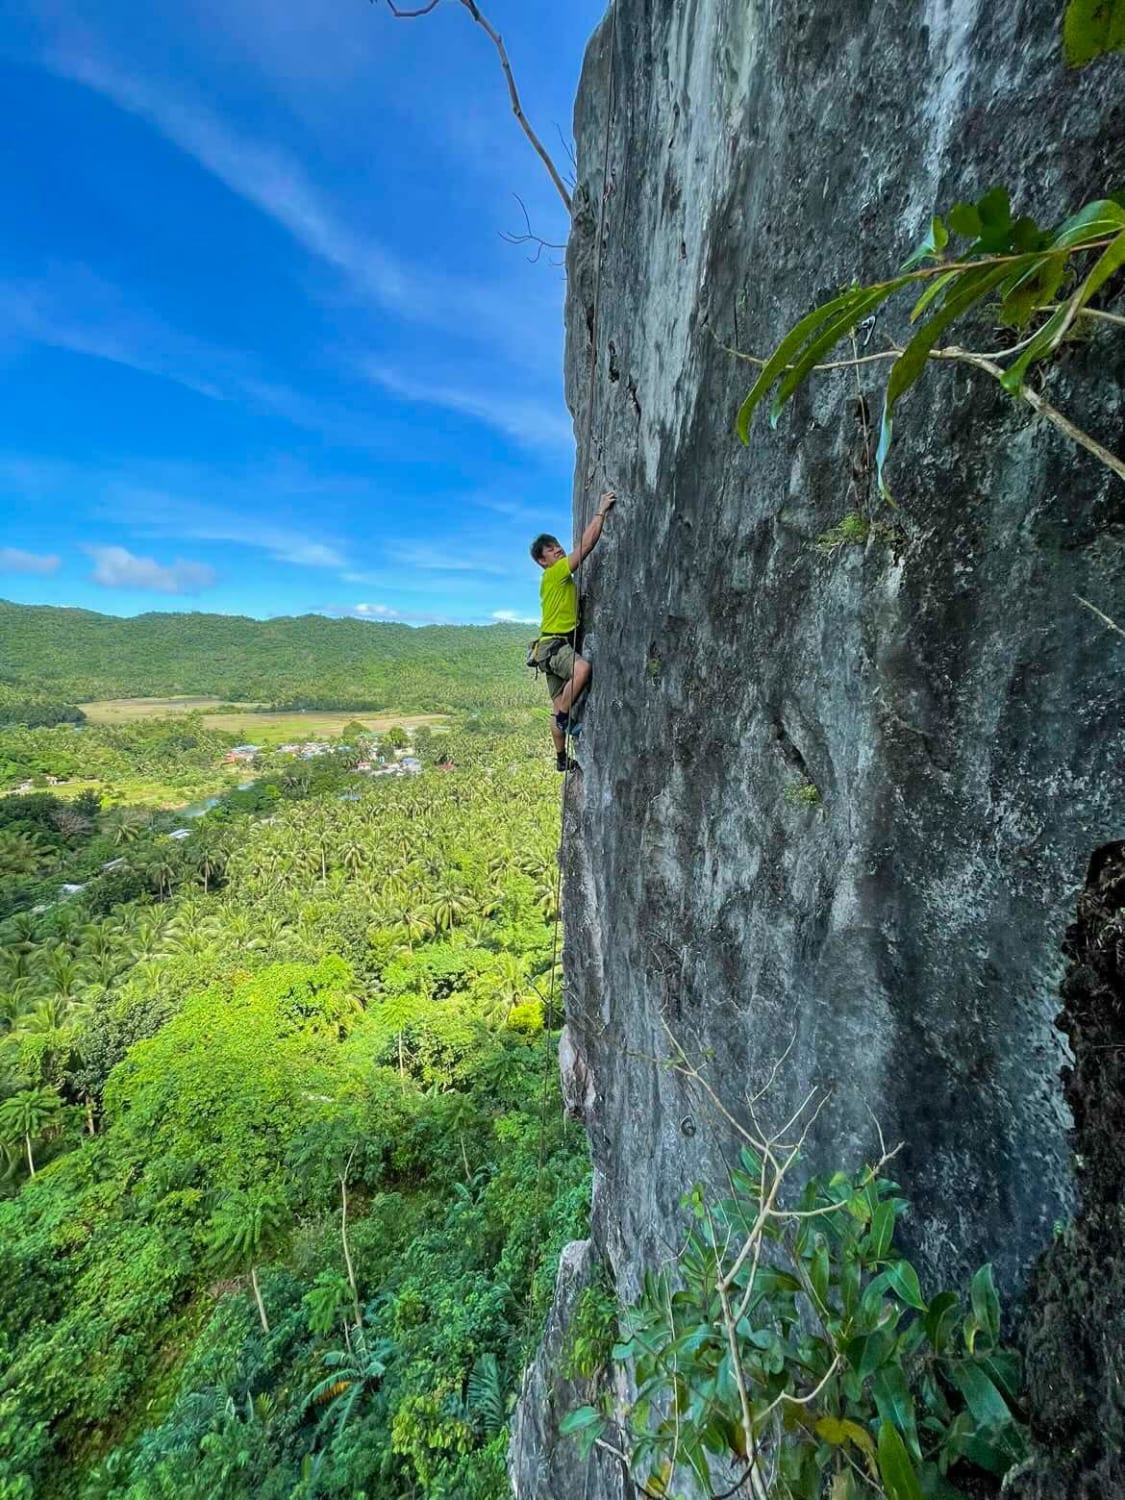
[559, 668]
[576, 685]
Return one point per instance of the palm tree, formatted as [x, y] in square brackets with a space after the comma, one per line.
[124, 825]
[15, 1002]
[21, 931]
[485, 1402]
[509, 986]
[546, 899]
[195, 937]
[28, 1115]
[251, 1226]
[416, 924]
[21, 853]
[146, 941]
[209, 857]
[355, 855]
[160, 869]
[459, 1116]
[448, 907]
[354, 1372]
[64, 974]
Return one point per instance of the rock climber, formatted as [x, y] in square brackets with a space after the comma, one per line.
[553, 654]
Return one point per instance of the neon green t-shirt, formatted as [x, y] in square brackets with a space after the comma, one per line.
[559, 598]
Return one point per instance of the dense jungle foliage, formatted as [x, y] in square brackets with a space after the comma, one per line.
[280, 1205]
[68, 656]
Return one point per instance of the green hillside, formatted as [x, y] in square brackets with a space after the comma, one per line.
[307, 661]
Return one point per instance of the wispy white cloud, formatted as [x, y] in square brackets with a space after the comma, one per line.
[13, 560]
[450, 556]
[532, 423]
[71, 308]
[117, 568]
[158, 501]
[159, 511]
[511, 510]
[43, 312]
[279, 187]
[512, 617]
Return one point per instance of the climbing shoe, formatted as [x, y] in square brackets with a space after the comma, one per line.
[566, 763]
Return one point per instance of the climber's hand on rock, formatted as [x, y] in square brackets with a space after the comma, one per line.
[608, 499]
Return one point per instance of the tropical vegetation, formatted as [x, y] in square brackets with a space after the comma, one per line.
[284, 1169]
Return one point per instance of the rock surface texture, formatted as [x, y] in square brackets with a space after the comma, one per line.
[956, 707]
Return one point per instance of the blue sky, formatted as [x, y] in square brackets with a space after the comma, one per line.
[262, 348]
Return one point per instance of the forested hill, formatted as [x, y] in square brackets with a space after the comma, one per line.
[305, 661]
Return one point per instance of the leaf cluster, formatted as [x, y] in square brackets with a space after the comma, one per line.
[848, 1379]
[1005, 262]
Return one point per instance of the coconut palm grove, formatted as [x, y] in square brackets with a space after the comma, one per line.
[285, 1171]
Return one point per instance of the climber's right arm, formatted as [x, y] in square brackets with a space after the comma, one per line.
[590, 536]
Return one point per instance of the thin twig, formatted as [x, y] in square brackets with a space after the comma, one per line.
[684, 1066]
[785, 1399]
[922, 273]
[1101, 316]
[1105, 619]
[1042, 407]
[401, 14]
[892, 352]
[344, 1237]
[675, 1373]
[774, 1071]
[529, 237]
[1039, 404]
[862, 408]
[721, 1286]
[624, 1462]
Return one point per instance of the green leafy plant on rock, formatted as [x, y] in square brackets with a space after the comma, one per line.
[1038, 284]
[790, 1347]
[855, 530]
[593, 1332]
[852, 531]
[802, 794]
[1091, 27]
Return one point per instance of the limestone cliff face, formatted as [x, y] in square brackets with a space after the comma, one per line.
[957, 708]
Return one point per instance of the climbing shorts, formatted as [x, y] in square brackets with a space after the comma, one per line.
[554, 656]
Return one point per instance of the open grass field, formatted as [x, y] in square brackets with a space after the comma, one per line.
[256, 728]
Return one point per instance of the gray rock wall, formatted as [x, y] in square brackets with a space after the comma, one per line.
[956, 707]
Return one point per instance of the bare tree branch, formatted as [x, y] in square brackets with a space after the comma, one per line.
[401, 14]
[529, 237]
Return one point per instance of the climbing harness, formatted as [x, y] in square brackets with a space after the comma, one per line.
[540, 661]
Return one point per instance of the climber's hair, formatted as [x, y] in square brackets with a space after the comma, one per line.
[541, 543]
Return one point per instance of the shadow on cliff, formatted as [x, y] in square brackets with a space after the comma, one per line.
[1074, 1339]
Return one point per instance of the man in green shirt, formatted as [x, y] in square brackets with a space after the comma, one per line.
[567, 673]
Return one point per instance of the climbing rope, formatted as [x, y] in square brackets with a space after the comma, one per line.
[588, 429]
